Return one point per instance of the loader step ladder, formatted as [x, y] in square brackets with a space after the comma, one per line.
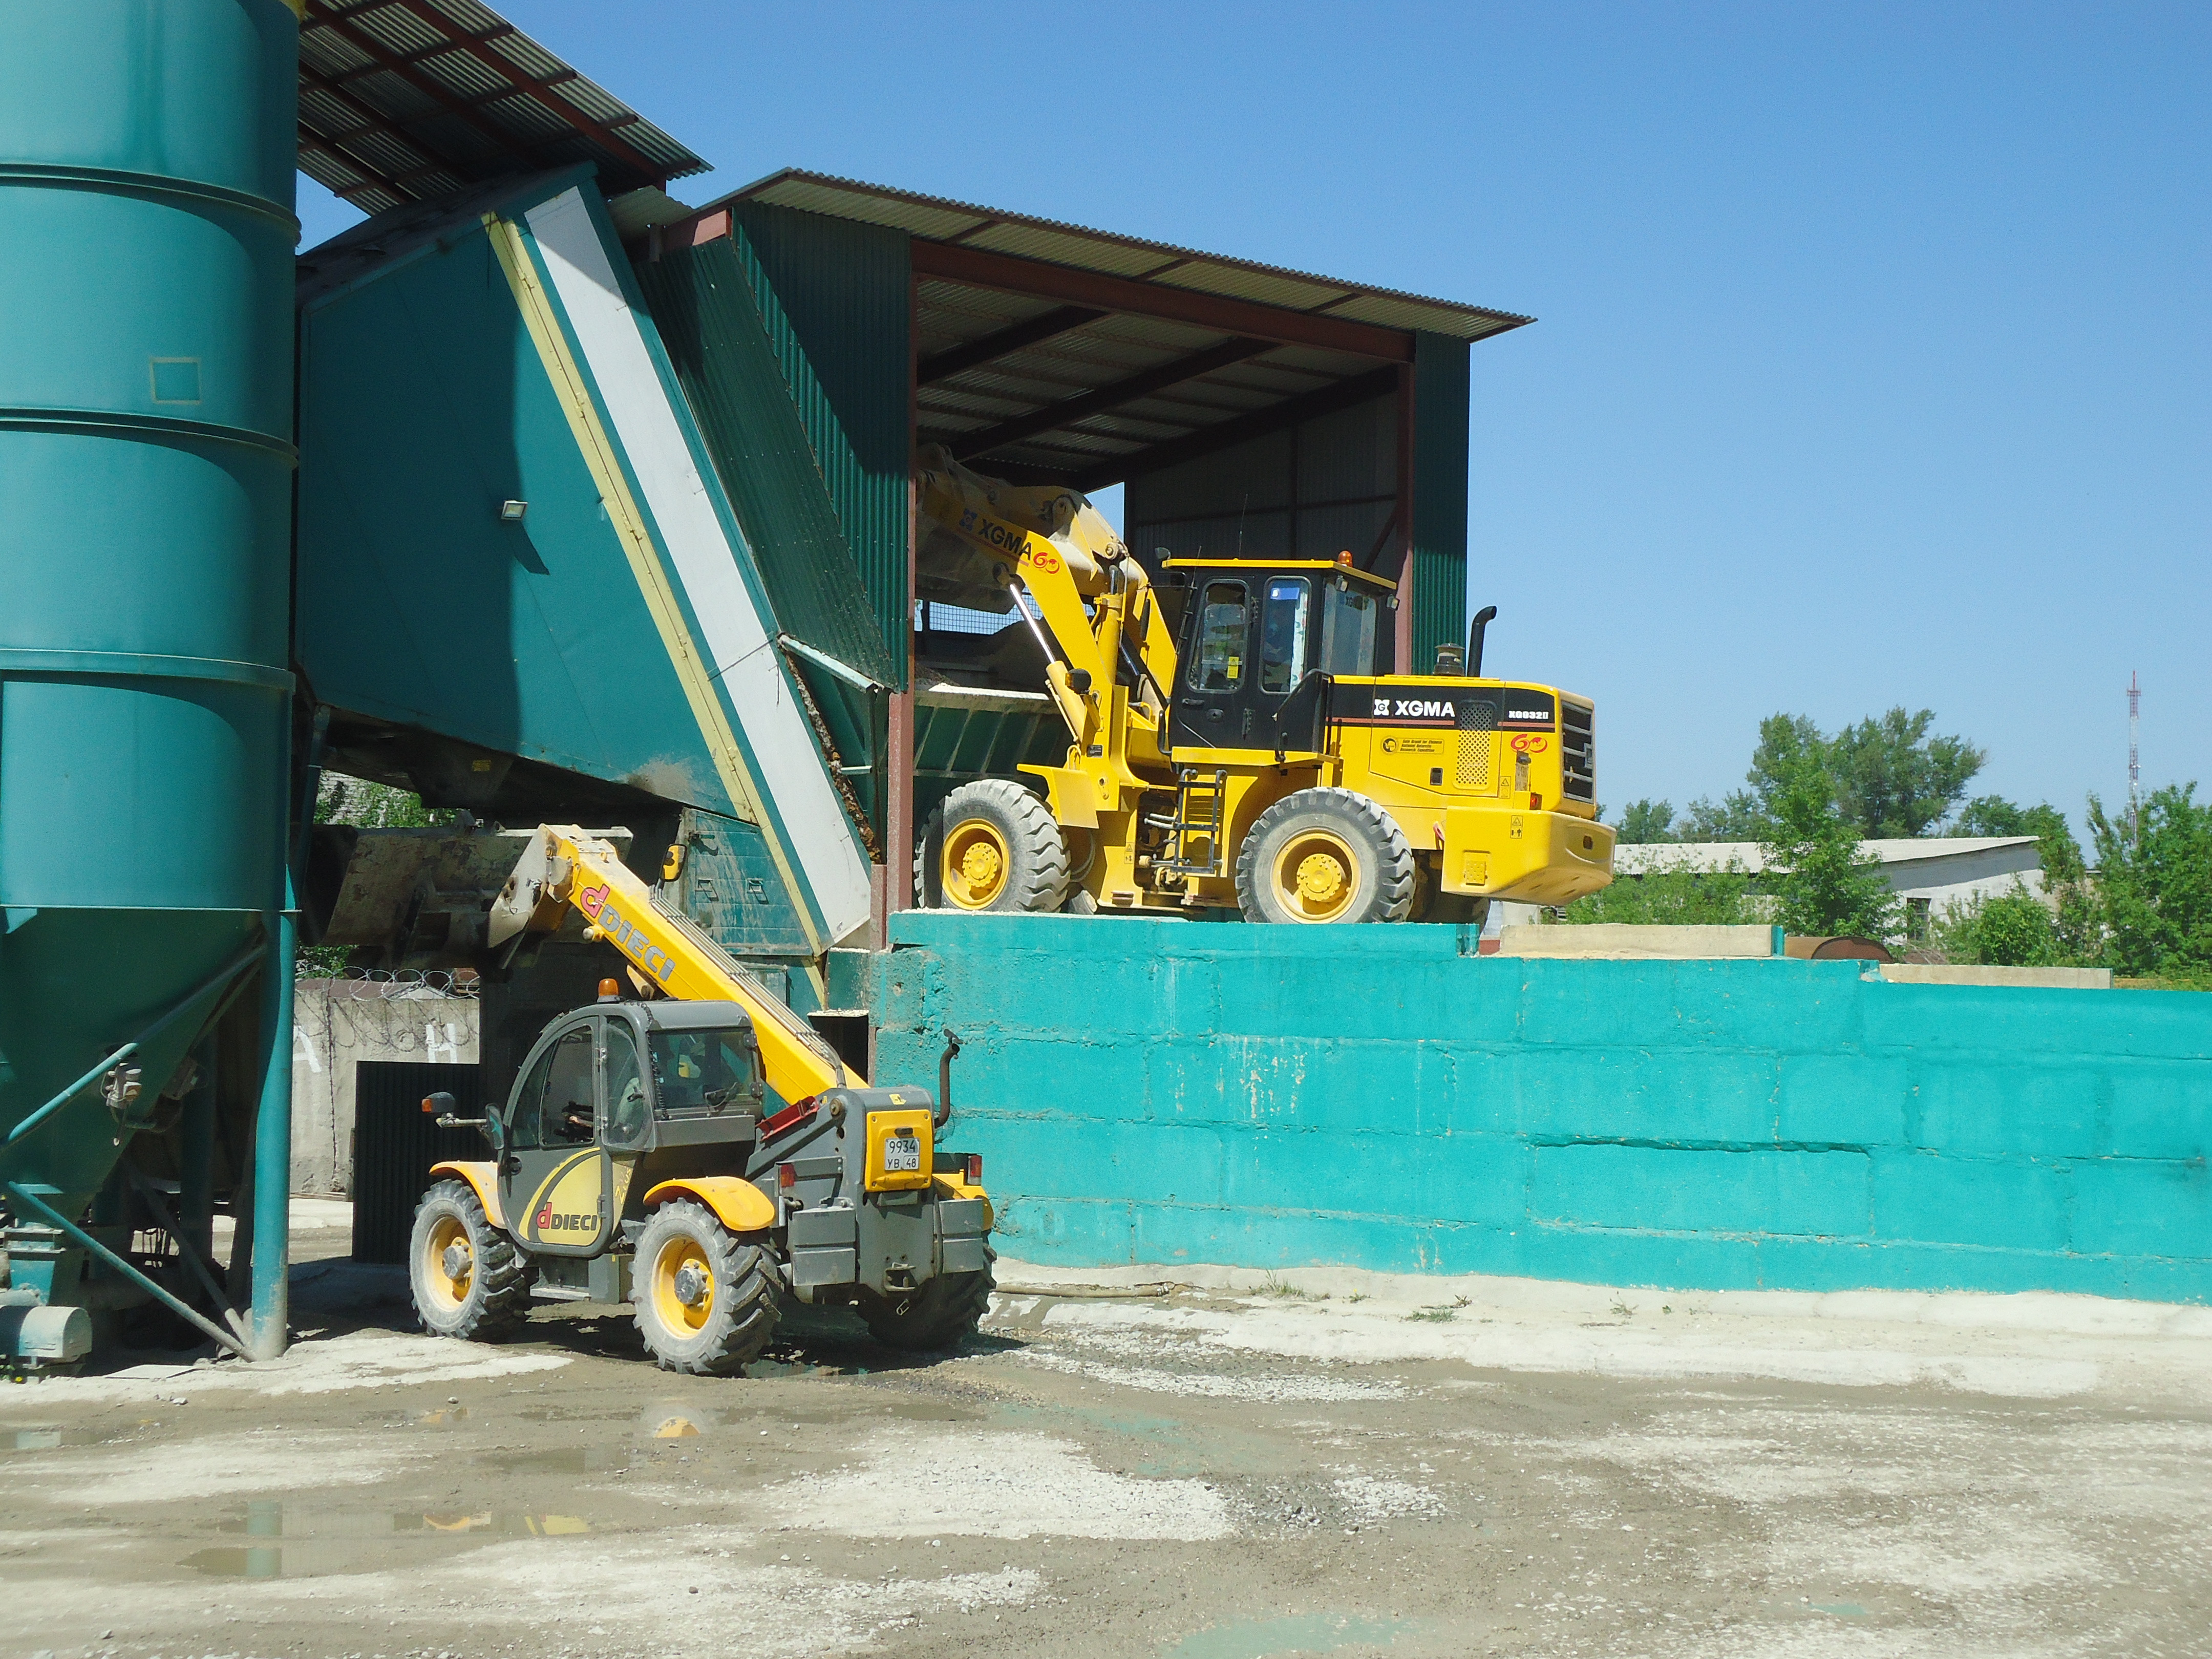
[1194, 839]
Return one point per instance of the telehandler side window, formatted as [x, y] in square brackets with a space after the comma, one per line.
[705, 1072]
[1224, 639]
[627, 1116]
[565, 1115]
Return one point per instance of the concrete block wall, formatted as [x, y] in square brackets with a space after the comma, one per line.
[336, 1024]
[1161, 1091]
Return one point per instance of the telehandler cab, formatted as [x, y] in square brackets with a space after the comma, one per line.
[1264, 763]
[696, 1149]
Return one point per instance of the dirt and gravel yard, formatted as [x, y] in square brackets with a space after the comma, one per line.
[1327, 1462]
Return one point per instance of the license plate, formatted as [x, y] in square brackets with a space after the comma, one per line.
[903, 1155]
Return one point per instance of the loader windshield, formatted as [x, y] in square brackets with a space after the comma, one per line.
[705, 1072]
[1348, 631]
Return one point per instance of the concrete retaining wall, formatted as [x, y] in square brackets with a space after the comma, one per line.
[336, 1023]
[1157, 1091]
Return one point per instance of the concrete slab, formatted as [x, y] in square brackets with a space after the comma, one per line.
[1623, 941]
[1245, 1464]
[2052, 979]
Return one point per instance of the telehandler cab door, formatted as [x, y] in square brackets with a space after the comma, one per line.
[555, 1183]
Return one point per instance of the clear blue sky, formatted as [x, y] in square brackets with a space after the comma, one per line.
[1874, 358]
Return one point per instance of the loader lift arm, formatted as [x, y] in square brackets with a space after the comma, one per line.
[565, 867]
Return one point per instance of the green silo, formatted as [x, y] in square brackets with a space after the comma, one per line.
[146, 237]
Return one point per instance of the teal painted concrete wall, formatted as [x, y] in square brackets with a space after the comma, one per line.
[1161, 1091]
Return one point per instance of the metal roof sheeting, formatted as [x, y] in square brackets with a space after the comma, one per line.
[410, 101]
[1129, 257]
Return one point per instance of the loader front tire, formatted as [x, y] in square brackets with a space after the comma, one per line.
[1325, 855]
[933, 1319]
[992, 846]
[469, 1279]
[705, 1299]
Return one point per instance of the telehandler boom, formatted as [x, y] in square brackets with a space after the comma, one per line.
[696, 1150]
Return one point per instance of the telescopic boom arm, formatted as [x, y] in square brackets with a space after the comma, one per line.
[567, 867]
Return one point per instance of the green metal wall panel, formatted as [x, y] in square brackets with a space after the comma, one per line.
[1440, 439]
[834, 299]
[704, 307]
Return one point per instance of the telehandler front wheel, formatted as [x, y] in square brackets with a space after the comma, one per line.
[469, 1279]
[705, 1300]
[1325, 855]
[933, 1318]
[993, 846]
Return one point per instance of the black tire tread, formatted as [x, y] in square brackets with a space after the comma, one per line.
[1040, 878]
[504, 1272]
[1393, 889]
[943, 1312]
[746, 1285]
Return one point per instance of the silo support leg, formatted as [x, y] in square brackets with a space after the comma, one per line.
[268, 1322]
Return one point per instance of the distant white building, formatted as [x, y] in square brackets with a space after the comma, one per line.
[1930, 873]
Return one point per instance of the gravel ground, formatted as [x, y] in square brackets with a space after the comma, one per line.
[1227, 1469]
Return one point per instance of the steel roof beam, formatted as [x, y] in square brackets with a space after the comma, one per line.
[324, 15]
[980, 268]
[943, 365]
[1207, 440]
[1069, 410]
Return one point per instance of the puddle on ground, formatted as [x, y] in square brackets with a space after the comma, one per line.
[293, 1540]
[1841, 1609]
[568, 1414]
[1262, 1638]
[562, 1459]
[23, 1440]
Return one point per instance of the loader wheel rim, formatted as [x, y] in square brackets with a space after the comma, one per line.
[1316, 876]
[671, 1262]
[976, 863]
[445, 1250]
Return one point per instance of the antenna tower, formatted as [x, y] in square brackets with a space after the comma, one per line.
[2135, 770]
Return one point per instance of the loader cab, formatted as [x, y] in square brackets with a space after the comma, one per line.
[605, 1086]
[1256, 633]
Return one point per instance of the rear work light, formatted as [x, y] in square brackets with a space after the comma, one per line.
[975, 1169]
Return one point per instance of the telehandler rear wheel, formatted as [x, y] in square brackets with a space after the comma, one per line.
[1325, 855]
[705, 1300]
[934, 1317]
[993, 846]
[469, 1279]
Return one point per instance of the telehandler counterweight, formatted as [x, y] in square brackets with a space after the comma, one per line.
[696, 1150]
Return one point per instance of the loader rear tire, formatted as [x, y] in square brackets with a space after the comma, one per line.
[469, 1279]
[993, 846]
[934, 1318]
[1325, 855]
[705, 1300]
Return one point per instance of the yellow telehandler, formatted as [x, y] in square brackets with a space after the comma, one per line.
[694, 1149]
[1263, 765]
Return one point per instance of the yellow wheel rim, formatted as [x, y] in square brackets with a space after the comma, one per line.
[448, 1239]
[1316, 876]
[671, 1283]
[976, 862]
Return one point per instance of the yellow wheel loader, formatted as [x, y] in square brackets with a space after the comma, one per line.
[1231, 744]
[696, 1150]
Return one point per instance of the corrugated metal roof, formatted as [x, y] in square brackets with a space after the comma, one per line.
[411, 101]
[937, 219]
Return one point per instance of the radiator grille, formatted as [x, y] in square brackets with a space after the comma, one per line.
[1478, 719]
[1578, 751]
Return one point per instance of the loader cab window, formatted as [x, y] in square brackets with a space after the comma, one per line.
[564, 1116]
[1224, 639]
[627, 1116]
[702, 1073]
[1348, 629]
[1283, 622]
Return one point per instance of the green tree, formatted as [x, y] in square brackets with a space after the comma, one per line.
[2006, 930]
[1675, 897]
[367, 805]
[1643, 822]
[1993, 815]
[1893, 779]
[1737, 817]
[2153, 885]
[1823, 882]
